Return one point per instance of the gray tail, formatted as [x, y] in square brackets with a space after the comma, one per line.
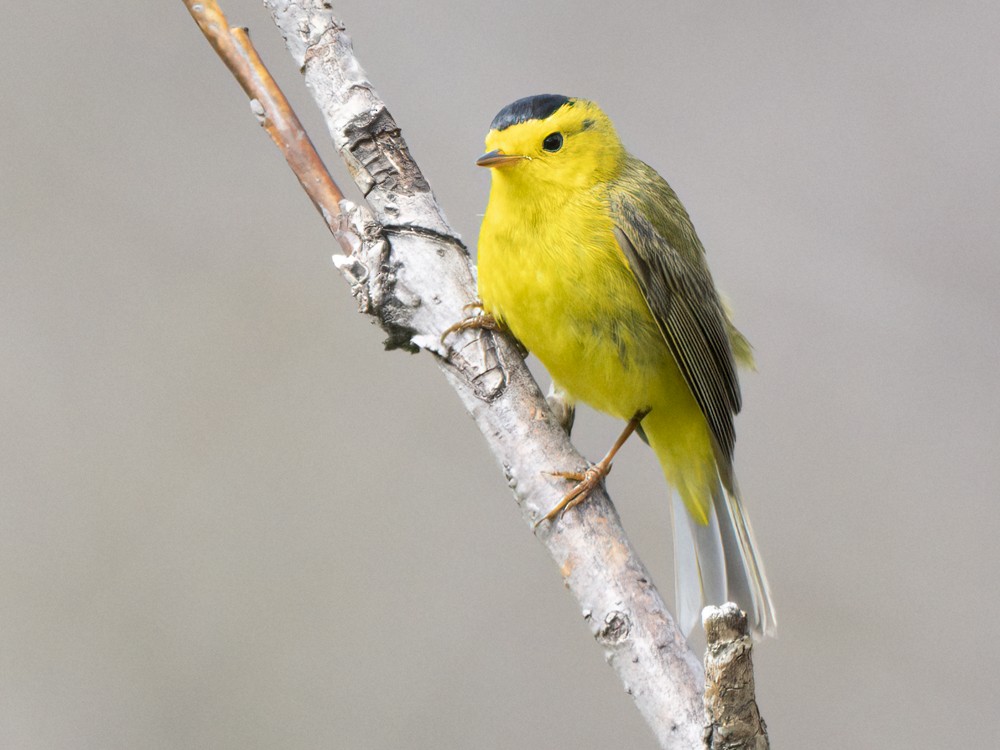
[718, 562]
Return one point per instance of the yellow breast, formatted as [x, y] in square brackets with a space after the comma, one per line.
[551, 271]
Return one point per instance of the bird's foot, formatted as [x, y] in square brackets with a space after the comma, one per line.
[589, 479]
[586, 481]
[481, 320]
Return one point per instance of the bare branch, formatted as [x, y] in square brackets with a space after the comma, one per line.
[270, 106]
[733, 721]
[408, 268]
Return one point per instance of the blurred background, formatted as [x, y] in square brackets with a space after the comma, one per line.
[228, 519]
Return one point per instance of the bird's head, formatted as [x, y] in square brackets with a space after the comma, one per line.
[552, 140]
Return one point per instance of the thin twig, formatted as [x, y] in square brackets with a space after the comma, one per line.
[270, 106]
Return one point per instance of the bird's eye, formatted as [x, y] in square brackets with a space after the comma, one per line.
[552, 142]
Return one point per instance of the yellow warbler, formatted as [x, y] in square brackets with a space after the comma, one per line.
[587, 257]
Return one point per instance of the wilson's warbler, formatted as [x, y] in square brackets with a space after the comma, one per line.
[587, 257]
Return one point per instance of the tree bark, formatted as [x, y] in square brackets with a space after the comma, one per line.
[732, 719]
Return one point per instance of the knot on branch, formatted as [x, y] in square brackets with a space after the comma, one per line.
[615, 629]
[377, 155]
[732, 718]
[370, 269]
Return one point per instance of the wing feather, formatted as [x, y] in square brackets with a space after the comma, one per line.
[667, 260]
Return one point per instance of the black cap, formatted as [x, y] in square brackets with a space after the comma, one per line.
[536, 107]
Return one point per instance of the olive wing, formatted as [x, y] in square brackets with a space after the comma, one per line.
[679, 290]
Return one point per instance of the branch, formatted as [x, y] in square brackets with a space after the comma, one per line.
[269, 105]
[409, 269]
[733, 721]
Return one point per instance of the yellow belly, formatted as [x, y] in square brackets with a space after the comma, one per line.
[562, 286]
[569, 297]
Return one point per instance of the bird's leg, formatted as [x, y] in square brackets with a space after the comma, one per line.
[588, 480]
[481, 320]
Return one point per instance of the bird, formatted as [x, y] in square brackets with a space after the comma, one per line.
[588, 258]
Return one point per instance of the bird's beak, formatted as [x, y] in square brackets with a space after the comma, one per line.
[497, 158]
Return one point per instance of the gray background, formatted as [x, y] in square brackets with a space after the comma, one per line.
[229, 520]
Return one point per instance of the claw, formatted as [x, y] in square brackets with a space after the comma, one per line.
[586, 482]
[483, 321]
[589, 479]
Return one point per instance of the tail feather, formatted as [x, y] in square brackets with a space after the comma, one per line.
[699, 564]
[718, 562]
[715, 556]
[743, 549]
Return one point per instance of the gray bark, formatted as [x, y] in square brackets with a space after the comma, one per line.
[732, 719]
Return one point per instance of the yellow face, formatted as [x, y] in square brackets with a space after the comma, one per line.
[573, 147]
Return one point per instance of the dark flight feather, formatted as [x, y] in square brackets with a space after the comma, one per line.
[667, 260]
